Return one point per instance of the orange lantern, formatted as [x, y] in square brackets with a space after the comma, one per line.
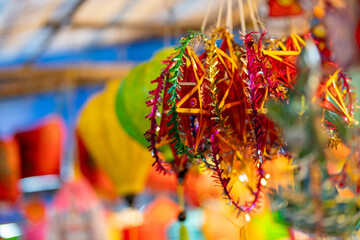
[157, 217]
[9, 170]
[198, 186]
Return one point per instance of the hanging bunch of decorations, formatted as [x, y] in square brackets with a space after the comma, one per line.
[211, 109]
[325, 209]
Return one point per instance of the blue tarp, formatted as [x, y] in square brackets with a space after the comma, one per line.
[21, 112]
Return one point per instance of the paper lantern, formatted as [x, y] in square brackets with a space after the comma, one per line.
[9, 170]
[124, 160]
[41, 148]
[133, 93]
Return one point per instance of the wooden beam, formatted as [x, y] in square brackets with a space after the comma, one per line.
[21, 81]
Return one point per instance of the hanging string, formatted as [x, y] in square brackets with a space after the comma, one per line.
[229, 16]
[181, 198]
[220, 13]
[205, 19]
[257, 14]
[242, 17]
[171, 21]
[252, 15]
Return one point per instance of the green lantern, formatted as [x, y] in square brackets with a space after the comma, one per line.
[132, 95]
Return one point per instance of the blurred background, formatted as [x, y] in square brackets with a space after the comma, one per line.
[70, 95]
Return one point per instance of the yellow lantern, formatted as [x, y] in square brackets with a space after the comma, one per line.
[124, 160]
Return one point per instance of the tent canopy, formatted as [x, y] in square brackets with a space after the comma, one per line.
[44, 42]
[44, 28]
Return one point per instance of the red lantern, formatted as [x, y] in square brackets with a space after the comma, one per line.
[41, 148]
[9, 170]
[283, 8]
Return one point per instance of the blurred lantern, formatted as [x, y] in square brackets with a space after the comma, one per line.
[282, 8]
[198, 187]
[41, 148]
[133, 93]
[218, 222]
[158, 215]
[93, 173]
[77, 213]
[286, 17]
[160, 183]
[9, 171]
[161, 211]
[124, 160]
[222, 223]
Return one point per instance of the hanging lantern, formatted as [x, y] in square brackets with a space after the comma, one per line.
[124, 160]
[283, 8]
[133, 92]
[157, 216]
[324, 210]
[210, 104]
[213, 110]
[41, 148]
[9, 170]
